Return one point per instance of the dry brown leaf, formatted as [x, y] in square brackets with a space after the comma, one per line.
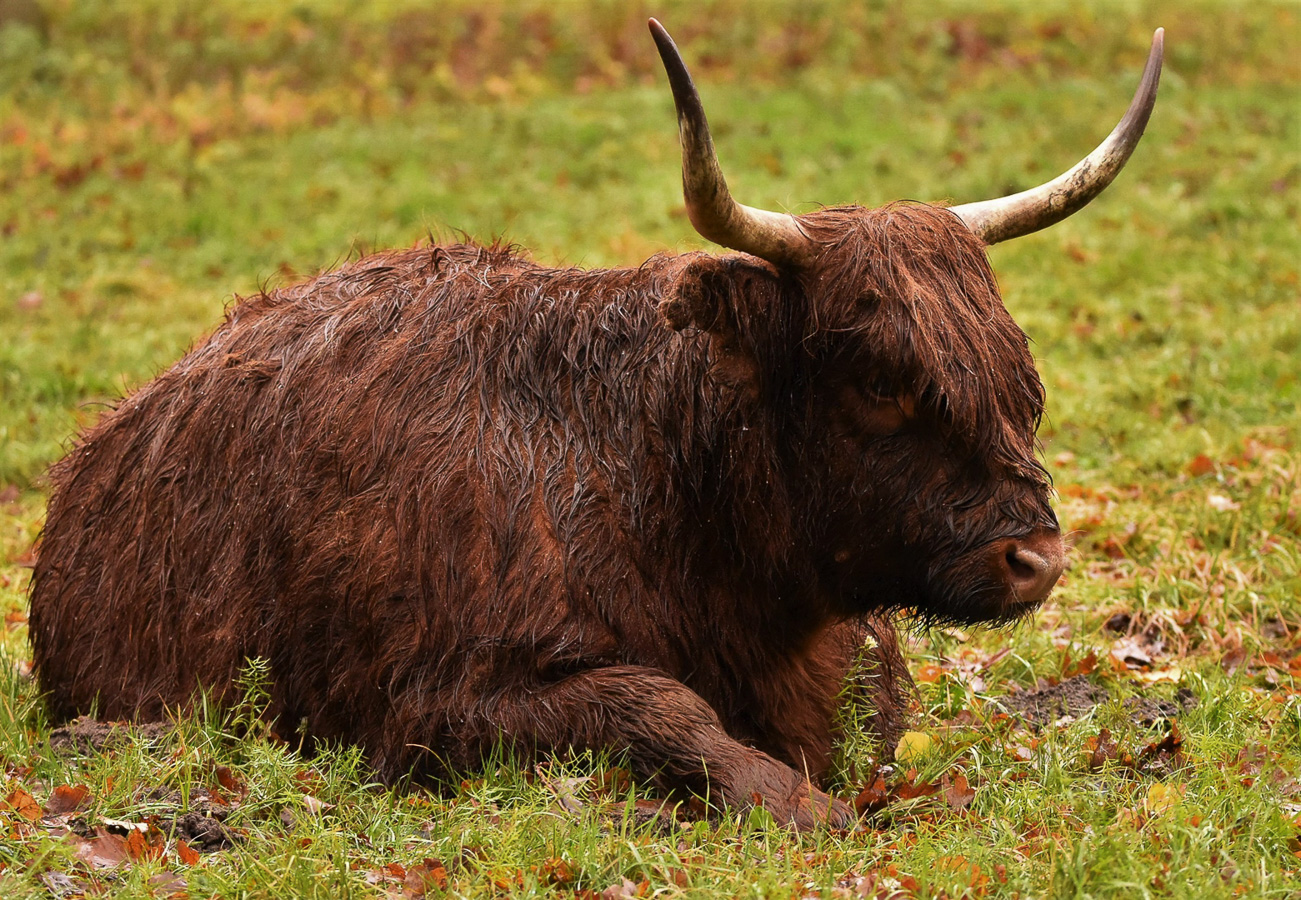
[169, 884]
[66, 799]
[957, 792]
[872, 798]
[557, 872]
[144, 845]
[104, 851]
[231, 782]
[929, 672]
[1102, 749]
[1082, 666]
[911, 790]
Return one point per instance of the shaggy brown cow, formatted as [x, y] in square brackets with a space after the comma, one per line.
[458, 499]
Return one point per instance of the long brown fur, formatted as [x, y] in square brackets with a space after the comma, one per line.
[456, 498]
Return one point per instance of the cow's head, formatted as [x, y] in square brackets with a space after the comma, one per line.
[920, 398]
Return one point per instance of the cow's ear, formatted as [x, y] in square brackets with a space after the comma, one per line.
[708, 291]
[713, 294]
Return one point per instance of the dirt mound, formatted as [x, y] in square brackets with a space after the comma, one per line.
[1077, 696]
[1072, 697]
[1150, 711]
[204, 832]
[86, 735]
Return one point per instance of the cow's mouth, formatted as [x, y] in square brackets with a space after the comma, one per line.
[1000, 582]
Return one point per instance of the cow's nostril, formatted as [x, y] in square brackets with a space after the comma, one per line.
[1021, 569]
[1032, 564]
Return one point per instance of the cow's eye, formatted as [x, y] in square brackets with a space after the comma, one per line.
[878, 413]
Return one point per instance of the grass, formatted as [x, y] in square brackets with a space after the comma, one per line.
[155, 157]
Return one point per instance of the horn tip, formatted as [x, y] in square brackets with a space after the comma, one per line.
[663, 41]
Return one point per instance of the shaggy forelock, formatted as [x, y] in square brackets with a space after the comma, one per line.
[909, 288]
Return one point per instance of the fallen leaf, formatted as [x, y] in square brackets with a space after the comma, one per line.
[911, 746]
[231, 782]
[872, 798]
[1082, 666]
[169, 883]
[557, 872]
[1128, 815]
[1201, 465]
[188, 855]
[1234, 658]
[1221, 503]
[104, 851]
[422, 877]
[911, 790]
[615, 781]
[626, 888]
[1102, 750]
[1161, 798]
[66, 799]
[139, 846]
[957, 793]
[23, 804]
[929, 673]
[1173, 674]
[566, 791]
[60, 884]
[1165, 756]
[393, 872]
[124, 826]
[316, 807]
[1131, 653]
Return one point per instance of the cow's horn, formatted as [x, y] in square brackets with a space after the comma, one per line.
[1019, 214]
[776, 237]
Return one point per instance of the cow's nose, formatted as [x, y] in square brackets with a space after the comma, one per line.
[1031, 564]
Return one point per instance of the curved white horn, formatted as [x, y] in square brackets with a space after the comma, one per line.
[1019, 214]
[775, 237]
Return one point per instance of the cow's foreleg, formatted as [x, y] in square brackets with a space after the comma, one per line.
[671, 735]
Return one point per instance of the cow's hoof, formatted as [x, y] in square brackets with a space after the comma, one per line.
[787, 795]
[813, 809]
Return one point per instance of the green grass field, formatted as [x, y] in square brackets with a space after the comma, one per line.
[158, 157]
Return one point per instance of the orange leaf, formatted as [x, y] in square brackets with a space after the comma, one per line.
[1083, 666]
[423, 876]
[23, 804]
[556, 871]
[188, 854]
[929, 673]
[1201, 465]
